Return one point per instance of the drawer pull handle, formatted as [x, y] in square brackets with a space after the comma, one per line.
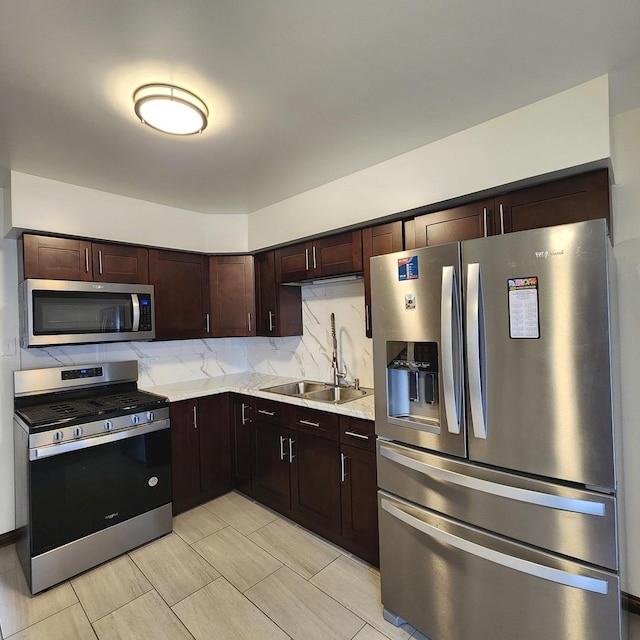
[356, 435]
[266, 413]
[308, 423]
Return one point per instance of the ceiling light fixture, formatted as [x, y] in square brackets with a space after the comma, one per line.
[170, 109]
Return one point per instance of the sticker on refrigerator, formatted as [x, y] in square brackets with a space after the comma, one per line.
[408, 268]
[524, 314]
[409, 301]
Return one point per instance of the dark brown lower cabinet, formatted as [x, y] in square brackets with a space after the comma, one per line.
[270, 465]
[242, 409]
[200, 450]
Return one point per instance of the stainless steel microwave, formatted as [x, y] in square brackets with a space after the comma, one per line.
[68, 312]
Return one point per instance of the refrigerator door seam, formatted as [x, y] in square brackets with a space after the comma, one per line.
[538, 498]
[550, 574]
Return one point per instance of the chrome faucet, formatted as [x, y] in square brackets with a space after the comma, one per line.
[337, 374]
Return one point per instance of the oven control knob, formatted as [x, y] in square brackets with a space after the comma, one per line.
[150, 416]
[135, 419]
[58, 436]
[77, 432]
[108, 425]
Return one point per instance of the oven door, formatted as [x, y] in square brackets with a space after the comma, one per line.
[81, 487]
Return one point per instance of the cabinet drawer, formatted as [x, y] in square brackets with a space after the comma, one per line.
[325, 425]
[270, 411]
[358, 433]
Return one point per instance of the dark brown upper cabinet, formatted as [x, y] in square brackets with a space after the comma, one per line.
[278, 307]
[470, 221]
[54, 258]
[232, 296]
[377, 241]
[335, 255]
[574, 199]
[181, 282]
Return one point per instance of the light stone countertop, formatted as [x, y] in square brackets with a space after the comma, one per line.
[252, 384]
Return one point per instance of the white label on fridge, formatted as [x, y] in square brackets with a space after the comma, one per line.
[524, 316]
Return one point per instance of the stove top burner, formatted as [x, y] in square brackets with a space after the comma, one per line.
[76, 410]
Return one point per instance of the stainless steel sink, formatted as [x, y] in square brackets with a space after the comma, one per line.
[298, 388]
[320, 391]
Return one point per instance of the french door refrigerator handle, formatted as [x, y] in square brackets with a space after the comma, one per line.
[585, 583]
[474, 310]
[449, 323]
[539, 498]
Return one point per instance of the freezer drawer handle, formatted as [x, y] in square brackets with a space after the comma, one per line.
[550, 574]
[538, 498]
[449, 324]
[474, 337]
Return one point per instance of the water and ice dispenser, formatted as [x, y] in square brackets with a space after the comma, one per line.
[412, 383]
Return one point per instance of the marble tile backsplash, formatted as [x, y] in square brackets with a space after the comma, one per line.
[308, 356]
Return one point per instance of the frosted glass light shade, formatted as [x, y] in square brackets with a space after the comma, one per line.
[170, 109]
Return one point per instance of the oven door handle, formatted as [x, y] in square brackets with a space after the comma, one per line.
[95, 441]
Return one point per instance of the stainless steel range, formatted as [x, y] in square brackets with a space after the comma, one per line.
[92, 468]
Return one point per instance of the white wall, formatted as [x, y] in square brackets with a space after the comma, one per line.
[47, 205]
[626, 210]
[566, 130]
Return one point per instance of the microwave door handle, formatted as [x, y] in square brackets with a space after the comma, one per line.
[474, 340]
[135, 303]
[448, 324]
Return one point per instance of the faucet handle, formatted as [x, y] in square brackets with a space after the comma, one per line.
[356, 383]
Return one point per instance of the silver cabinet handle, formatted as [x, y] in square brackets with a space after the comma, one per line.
[243, 415]
[501, 220]
[366, 317]
[343, 467]
[264, 412]
[543, 572]
[315, 264]
[308, 423]
[195, 417]
[356, 435]
[249, 320]
[291, 456]
[539, 498]
[282, 451]
[208, 322]
[484, 220]
[86, 259]
[474, 327]
[271, 325]
[451, 364]
[306, 259]
[100, 261]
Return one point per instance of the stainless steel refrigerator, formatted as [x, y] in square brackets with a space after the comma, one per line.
[496, 439]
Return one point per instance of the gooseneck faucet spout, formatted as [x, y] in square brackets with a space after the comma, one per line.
[337, 374]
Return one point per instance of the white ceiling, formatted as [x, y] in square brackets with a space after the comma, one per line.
[301, 92]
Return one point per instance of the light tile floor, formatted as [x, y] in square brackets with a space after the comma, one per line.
[231, 570]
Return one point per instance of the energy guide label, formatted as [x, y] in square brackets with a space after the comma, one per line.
[524, 315]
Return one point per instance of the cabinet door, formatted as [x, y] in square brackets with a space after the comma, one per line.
[574, 199]
[293, 263]
[185, 454]
[120, 263]
[338, 254]
[181, 283]
[270, 465]
[242, 412]
[359, 502]
[315, 484]
[55, 258]
[215, 445]
[232, 296]
[377, 241]
[461, 223]
[279, 308]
